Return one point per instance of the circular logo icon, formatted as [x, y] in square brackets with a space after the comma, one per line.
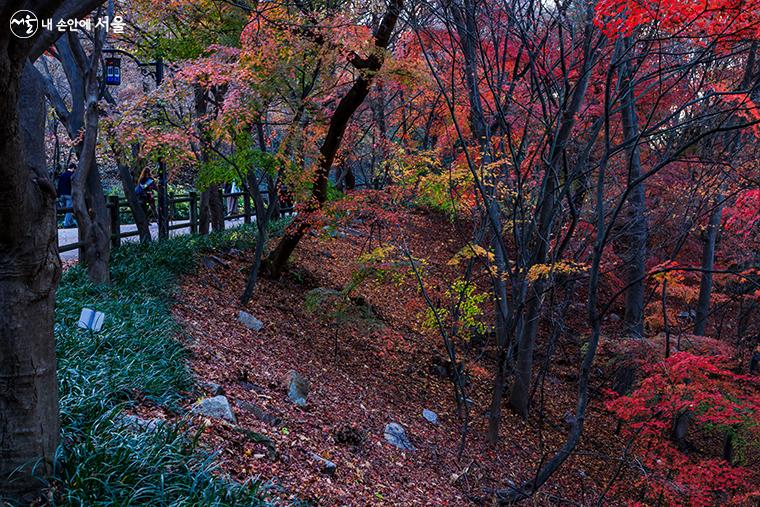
[24, 24]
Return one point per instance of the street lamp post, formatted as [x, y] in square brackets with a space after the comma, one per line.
[163, 194]
[163, 191]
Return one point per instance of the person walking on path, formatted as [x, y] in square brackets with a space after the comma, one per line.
[64, 194]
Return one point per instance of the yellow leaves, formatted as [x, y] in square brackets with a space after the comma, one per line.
[561, 267]
[471, 251]
[379, 254]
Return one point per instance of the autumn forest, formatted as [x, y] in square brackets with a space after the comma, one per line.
[388, 252]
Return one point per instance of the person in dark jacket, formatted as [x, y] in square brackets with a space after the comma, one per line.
[64, 194]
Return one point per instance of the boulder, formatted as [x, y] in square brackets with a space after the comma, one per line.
[430, 416]
[395, 435]
[250, 321]
[217, 407]
[298, 387]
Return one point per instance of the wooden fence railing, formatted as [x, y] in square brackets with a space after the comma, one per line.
[116, 204]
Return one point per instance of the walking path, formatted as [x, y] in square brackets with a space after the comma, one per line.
[69, 236]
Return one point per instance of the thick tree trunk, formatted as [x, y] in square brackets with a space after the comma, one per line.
[138, 212]
[29, 264]
[211, 211]
[216, 208]
[519, 398]
[635, 227]
[502, 342]
[204, 215]
[94, 223]
[29, 272]
[708, 262]
[87, 191]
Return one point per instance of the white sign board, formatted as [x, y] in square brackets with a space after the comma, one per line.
[92, 320]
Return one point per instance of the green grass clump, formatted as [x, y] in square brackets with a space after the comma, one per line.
[136, 357]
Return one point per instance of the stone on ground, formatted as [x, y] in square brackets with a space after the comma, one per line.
[298, 387]
[217, 407]
[250, 321]
[328, 467]
[137, 423]
[395, 435]
[430, 416]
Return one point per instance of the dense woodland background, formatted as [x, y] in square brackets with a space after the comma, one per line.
[537, 222]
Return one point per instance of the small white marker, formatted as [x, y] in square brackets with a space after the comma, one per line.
[91, 319]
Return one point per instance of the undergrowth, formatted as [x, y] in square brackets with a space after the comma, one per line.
[138, 357]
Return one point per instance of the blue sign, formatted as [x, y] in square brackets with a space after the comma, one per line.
[113, 71]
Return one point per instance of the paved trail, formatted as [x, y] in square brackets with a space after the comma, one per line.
[68, 236]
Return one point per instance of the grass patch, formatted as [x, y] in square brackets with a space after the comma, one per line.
[135, 358]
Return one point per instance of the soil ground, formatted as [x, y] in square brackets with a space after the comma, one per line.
[362, 379]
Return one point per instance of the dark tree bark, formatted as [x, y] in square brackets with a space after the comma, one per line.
[29, 272]
[708, 262]
[29, 262]
[128, 182]
[87, 190]
[519, 398]
[204, 215]
[634, 231]
[81, 72]
[216, 208]
[350, 102]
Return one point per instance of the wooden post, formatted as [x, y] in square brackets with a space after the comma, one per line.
[113, 210]
[193, 212]
[246, 207]
[172, 207]
[223, 204]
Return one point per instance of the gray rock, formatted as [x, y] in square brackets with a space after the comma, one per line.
[217, 407]
[258, 412]
[396, 435]
[430, 416]
[250, 321]
[137, 423]
[298, 388]
[328, 467]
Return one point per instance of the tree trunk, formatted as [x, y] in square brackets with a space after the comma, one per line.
[681, 429]
[634, 233]
[338, 122]
[708, 262]
[519, 398]
[216, 208]
[29, 271]
[87, 191]
[204, 218]
[29, 265]
[93, 221]
[138, 212]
